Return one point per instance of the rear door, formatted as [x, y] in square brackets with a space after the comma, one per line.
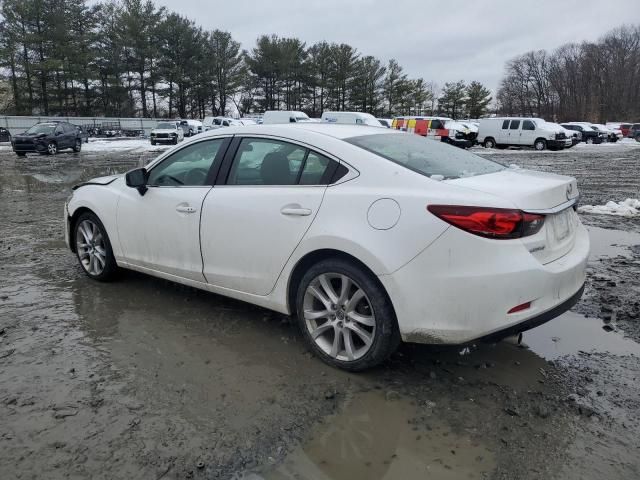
[272, 190]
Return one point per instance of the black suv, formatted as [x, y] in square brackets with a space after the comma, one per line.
[589, 135]
[47, 138]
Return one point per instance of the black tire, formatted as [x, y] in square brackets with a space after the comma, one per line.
[152, 142]
[77, 147]
[489, 143]
[386, 336]
[21, 154]
[540, 144]
[110, 270]
[175, 141]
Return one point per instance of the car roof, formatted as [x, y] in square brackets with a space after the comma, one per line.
[335, 130]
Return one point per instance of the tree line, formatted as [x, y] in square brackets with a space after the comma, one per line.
[595, 82]
[130, 58]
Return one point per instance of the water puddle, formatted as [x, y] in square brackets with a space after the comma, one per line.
[572, 333]
[376, 439]
[611, 243]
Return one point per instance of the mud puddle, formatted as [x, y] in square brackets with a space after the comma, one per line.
[377, 438]
[607, 243]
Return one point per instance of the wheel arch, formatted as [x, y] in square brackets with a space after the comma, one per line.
[315, 256]
[72, 224]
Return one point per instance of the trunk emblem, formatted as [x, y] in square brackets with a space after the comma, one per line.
[569, 191]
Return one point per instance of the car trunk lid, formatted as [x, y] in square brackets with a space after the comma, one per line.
[536, 192]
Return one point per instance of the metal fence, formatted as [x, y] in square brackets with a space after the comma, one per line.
[17, 124]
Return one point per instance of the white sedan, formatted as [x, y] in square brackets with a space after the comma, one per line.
[366, 235]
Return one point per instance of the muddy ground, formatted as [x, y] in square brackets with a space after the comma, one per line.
[146, 379]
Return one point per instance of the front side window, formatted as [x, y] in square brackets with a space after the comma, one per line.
[505, 125]
[266, 162]
[188, 167]
[436, 125]
[515, 124]
[528, 125]
[427, 157]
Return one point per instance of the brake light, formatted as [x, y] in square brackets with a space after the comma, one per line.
[497, 223]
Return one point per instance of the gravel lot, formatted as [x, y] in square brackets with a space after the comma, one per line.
[143, 378]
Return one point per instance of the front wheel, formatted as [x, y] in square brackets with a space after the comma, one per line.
[52, 148]
[77, 146]
[345, 316]
[93, 248]
[540, 144]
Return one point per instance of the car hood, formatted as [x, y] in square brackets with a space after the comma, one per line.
[526, 189]
[30, 135]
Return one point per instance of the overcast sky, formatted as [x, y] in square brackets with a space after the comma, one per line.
[437, 40]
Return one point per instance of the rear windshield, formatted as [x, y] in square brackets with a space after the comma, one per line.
[425, 156]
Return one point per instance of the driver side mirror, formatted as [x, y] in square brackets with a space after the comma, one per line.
[137, 179]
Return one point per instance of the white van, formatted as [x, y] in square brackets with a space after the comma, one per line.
[277, 116]
[358, 118]
[503, 132]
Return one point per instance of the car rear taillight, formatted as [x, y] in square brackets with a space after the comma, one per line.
[497, 223]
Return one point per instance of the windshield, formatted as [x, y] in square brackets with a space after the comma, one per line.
[166, 126]
[428, 157]
[42, 128]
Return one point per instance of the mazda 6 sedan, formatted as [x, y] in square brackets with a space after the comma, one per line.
[367, 236]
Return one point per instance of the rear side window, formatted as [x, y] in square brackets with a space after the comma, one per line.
[505, 125]
[260, 161]
[427, 157]
[515, 124]
[528, 125]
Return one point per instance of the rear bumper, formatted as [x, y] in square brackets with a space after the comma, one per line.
[461, 287]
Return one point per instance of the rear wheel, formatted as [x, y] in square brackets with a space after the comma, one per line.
[93, 248]
[489, 143]
[346, 316]
[540, 144]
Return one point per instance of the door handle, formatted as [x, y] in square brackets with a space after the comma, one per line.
[295, 211]
[186, 209]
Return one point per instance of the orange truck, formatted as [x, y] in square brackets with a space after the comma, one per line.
[437, 128]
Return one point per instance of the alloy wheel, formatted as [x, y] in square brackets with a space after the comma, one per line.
[90, 246]
[339, 316]
[52, 148]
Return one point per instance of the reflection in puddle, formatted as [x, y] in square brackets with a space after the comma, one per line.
[376, 438]
[610, 243]
[572, 333]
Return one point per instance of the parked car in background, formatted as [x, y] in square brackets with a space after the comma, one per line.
[167, 132]
[612, 135]
[589, 135]
[571, 136]
[623, 127]
[353, 118]
[503, 132]
[278, 116]
[212, 123]
[437, 128]
[191, 127]
[47, 138]
[5, 135]
[392, 236]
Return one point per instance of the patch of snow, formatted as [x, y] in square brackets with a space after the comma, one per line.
[629, 208]
[128, 145]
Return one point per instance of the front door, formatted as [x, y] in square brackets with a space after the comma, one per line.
[160, 230]
[528, 133]
[252, 224]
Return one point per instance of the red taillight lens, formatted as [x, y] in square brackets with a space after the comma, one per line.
[498, 223]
